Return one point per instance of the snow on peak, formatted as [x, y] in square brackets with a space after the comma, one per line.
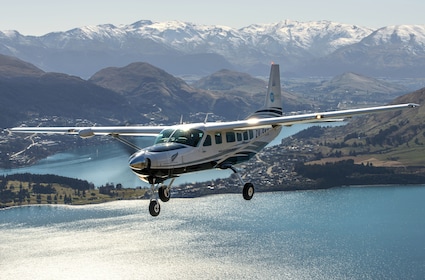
[300, 40]
[397, 34]
[324, 36]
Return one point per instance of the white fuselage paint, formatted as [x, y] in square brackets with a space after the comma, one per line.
[214, 150]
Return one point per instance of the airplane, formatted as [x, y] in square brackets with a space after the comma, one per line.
[185, 148]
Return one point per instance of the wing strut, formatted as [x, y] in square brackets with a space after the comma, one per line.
[126, 142]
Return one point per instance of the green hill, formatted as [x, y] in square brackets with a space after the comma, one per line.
[385, 139]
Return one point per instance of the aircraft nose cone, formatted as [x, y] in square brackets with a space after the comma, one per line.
[138, 162]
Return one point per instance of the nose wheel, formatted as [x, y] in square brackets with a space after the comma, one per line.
[154, 207]
[164, 194]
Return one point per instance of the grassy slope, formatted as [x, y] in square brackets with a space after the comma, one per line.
[403, 146]
[90, 196]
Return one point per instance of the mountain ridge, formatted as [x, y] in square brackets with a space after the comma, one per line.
[136, 93]
[303, 48]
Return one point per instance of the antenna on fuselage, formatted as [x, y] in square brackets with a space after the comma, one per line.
[206, 117]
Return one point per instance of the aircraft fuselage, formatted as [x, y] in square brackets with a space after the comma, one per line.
[189, 148]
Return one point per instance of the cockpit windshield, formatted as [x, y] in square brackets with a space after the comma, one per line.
[189, 137]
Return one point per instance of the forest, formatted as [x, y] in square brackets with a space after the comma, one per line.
[20, 188]
[29, 189]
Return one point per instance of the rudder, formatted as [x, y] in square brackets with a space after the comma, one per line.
[273, 103]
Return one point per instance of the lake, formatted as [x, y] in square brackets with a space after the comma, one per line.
[340, 233]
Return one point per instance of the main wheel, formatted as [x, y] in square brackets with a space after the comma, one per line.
[154, 208]
[164, 194]
[248, 191]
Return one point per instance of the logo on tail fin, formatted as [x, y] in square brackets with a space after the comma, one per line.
[272, 97]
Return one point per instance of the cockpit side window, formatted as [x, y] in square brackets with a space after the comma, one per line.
[164, 136]
[207, 141]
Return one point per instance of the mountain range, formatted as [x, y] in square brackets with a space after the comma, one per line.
[136, 93]
[321, 48]
[142, 93]
[145, 94]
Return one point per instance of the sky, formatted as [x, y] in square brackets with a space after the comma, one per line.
[40, 17]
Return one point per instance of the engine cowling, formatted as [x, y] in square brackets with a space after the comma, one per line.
[139, 162]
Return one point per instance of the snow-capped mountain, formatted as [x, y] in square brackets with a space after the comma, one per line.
[187, 48]
[393, 51]
[401, 34]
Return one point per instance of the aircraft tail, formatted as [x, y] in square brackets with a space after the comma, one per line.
[273, 103]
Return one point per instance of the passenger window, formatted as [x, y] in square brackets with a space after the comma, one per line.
[207, 141]
[239, 136]
[245, 135]
[230, 137]
[251, 134]
[218, 138]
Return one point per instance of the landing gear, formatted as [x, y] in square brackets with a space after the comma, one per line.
[154, 207]
[248, 191]
[248, 188]
[164, 193]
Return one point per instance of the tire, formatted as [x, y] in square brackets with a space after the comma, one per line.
[154, 208]
[248, 191]
[164, 194]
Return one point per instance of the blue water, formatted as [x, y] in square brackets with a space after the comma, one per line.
[341, 233]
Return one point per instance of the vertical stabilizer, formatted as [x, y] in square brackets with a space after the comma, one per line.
[273, 103]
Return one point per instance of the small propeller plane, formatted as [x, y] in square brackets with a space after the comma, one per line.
[186, 148]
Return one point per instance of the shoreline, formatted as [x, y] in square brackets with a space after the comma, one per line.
[211, 194]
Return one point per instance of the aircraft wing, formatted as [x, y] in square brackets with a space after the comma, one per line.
[254, 123]
[303, 118]
[85, 132]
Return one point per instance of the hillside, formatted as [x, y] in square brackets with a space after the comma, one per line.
[230, 80]
[385, 139]
[28, 92]
[11, 67]
[248, 88]
[165, 98]
[136, 93]
[357, 90]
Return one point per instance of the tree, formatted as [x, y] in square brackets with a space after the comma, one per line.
[3, 183]
[67, 199]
